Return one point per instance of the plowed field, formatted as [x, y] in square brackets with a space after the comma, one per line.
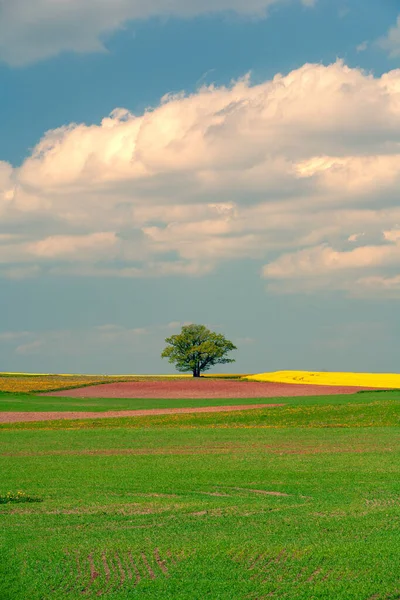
[203, 388]
[20, 417]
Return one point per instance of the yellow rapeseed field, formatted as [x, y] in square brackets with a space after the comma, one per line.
[375, 380]
[22, 383]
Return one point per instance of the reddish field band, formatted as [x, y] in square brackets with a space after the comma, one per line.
[22, 417]
[203, 388]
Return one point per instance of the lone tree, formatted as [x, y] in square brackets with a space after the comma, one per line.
[197, 349]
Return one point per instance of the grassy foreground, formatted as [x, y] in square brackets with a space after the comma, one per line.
[296, 502]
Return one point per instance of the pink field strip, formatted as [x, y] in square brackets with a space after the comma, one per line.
[21, 417]
[203, 388]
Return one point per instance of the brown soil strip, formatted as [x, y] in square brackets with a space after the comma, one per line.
[112, 575]
[204, 388]
[127, 567]
[261, 492]
[16, 417]
[136, 452]
[218, 494]
[78, 565]
[121, 569]
[135, 568]
[280, 449]
[314, 575]
[255, 562]
[93, 573]
[160, 562]
[106, 567]
[148, 567]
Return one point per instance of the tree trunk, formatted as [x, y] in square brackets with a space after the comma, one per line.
[196, 372]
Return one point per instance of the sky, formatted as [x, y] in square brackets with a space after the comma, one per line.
[230, 163]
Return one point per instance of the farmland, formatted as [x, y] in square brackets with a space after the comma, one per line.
[375, 380]
[40, 382]
[299, 501]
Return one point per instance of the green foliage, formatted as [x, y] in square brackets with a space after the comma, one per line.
[197, 349]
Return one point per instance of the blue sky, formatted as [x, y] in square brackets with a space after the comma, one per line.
[259, 197]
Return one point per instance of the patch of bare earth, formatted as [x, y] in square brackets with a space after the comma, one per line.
[18, 417]
[265, 492]
[203, 388]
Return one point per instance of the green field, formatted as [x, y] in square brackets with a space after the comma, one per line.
[32, 403]
[297, 502]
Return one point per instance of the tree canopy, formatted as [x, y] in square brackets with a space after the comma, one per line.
[197, 349]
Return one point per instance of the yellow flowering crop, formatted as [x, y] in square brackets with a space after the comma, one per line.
[43, 383]
[374, 380]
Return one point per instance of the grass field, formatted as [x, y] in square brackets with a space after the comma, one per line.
[32, 403]
[297, 502]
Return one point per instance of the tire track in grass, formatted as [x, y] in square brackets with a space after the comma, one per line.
[108, 571]
[94, 574]
[121, 570]
[148, 567]
[135, 568]
[161, 563]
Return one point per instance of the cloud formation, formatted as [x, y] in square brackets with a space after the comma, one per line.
[300, 173]
[32, 30]
[391, 41]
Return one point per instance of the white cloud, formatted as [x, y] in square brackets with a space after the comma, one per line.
[391, 41]
[11, 336]
[32, 30]
[322, 266]
[362, 47]
[30, 347]
[378, 285]
[323, 259]
[74, 247]
[301, 172]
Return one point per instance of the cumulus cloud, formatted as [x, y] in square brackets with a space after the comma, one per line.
[74, 247]
[300, 173]
[32, 30]
[324, 259]
[323, 267]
